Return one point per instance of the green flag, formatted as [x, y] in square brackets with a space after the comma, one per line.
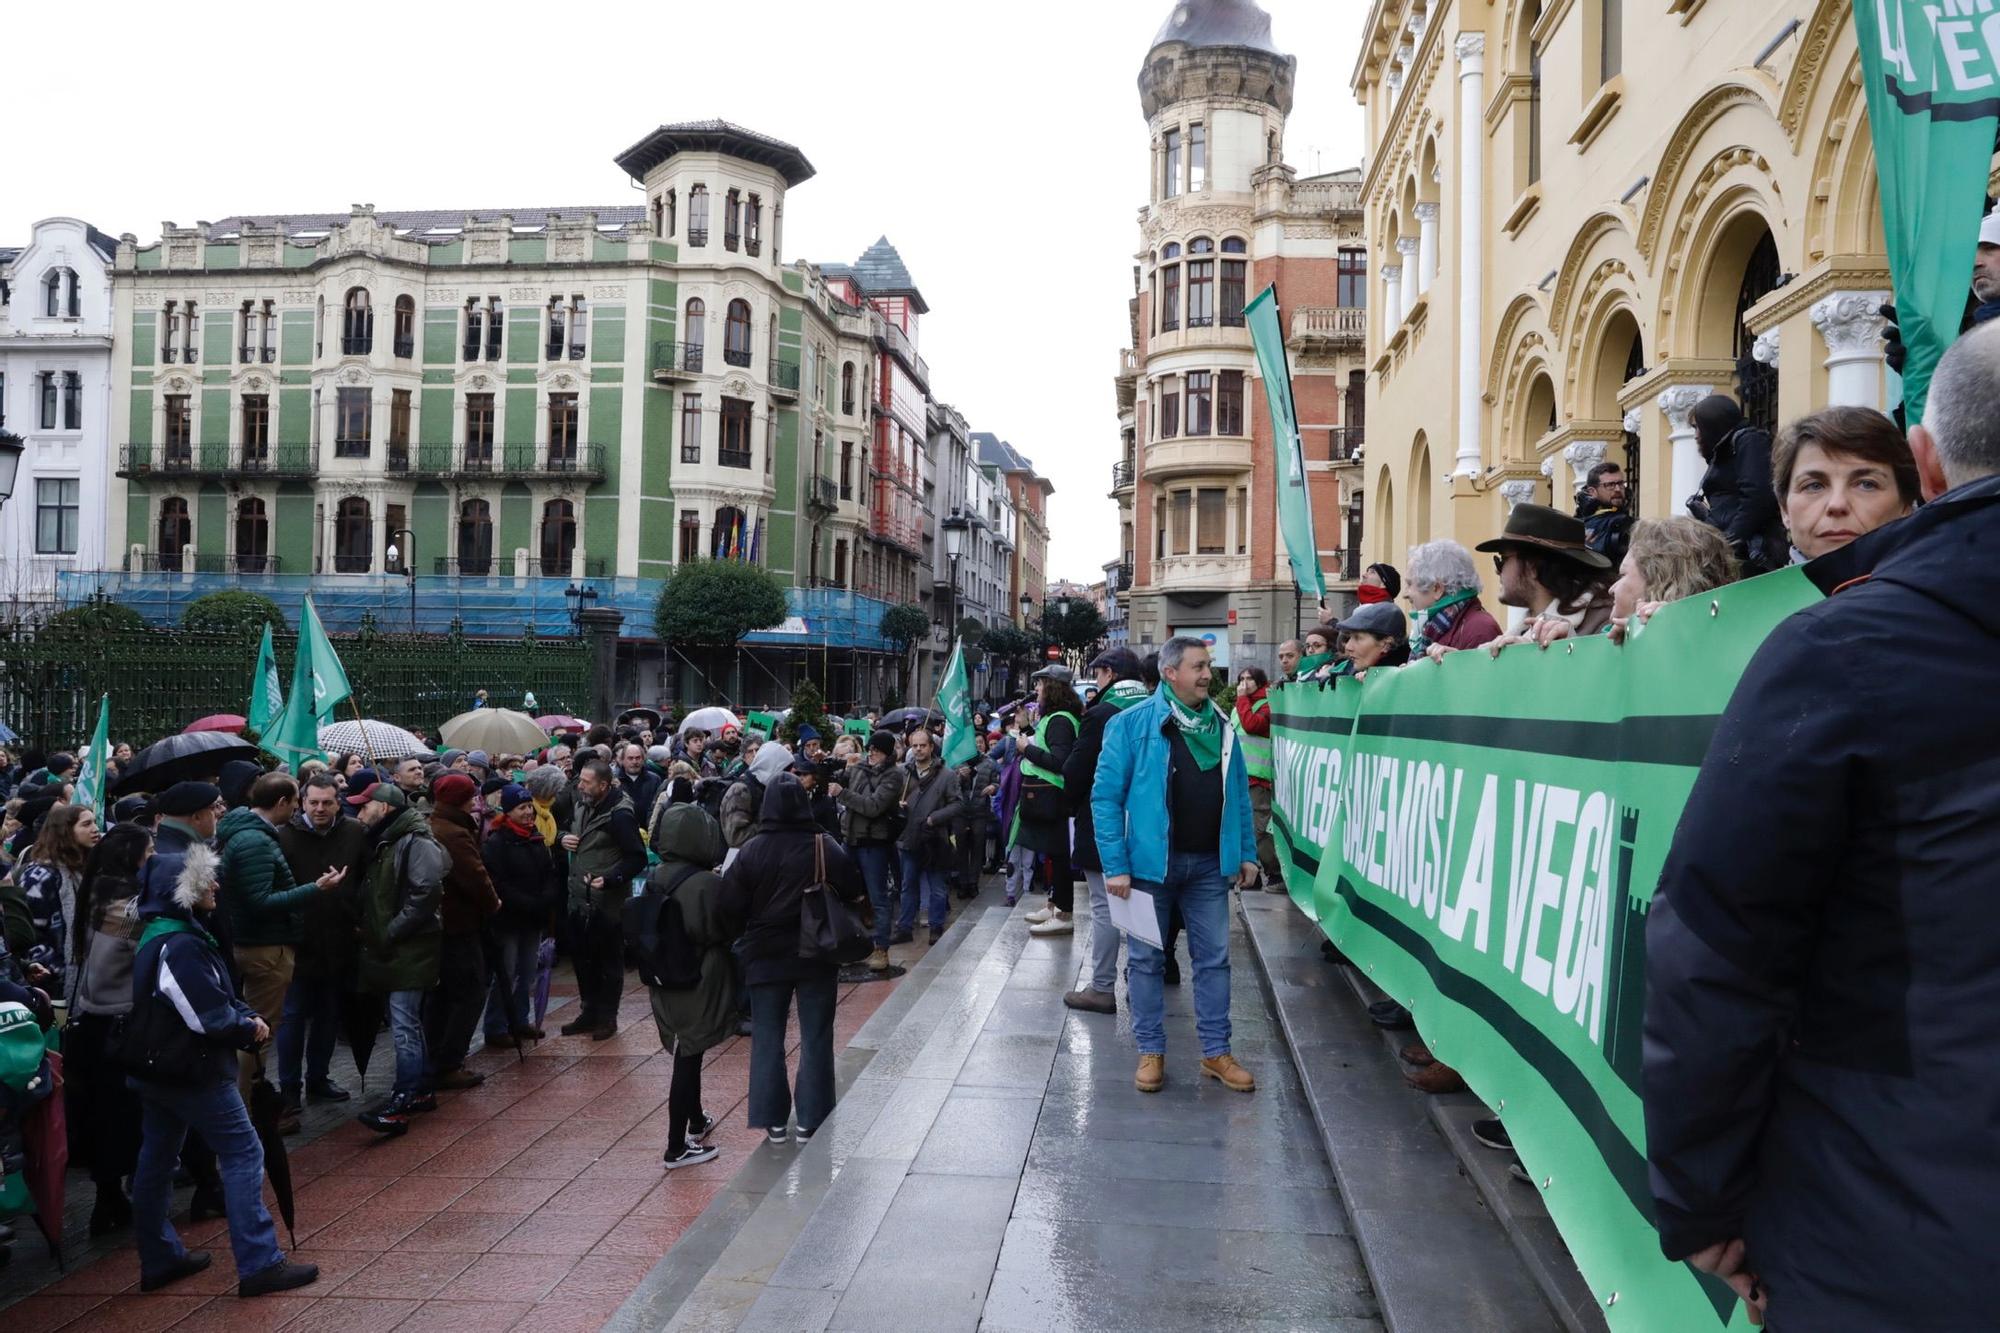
[319, 685]
[267, 701]
[1933, 85]
[90, 782]
[1295, 512]
[954, 700]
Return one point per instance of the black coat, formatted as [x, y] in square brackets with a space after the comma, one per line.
[1822, 1060]
[1050, 836]
[1079, 773]
[331, 942]
[1741, 503]
[526, 874]
[765, 884]
[1606, 530]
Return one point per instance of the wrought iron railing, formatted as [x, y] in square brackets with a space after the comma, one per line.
[785, 377]
[677, 358]
[1343, 443]
[1121, 476]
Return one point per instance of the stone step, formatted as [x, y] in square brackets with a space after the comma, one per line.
[774, 1193]
[1438, 1255]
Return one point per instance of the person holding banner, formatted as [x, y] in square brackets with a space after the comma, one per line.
[1821, 1064]
[1443, 593]
[1548, 570]
[1252, 721]
[1170, 809]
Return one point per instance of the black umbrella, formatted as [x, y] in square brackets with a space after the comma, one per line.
[361, 1015]
[267, 1108]
[184, 758]
[903, 717]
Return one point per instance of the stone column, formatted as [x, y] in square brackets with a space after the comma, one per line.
[1427, 246]
[1470, 274]
[1392, 301]
[599, 624]
[1678, 405]
[1406, 246]
[1850, 323]
[1582, 456]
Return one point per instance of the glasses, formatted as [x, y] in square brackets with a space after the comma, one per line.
[1500, 561]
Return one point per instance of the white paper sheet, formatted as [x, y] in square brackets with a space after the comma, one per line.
[1136, 916]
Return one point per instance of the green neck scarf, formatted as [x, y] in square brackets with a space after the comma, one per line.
[1122, 694]
[1311, 663]
[1200, 728]
[173, 925]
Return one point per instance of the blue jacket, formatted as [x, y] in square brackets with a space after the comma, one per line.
[1128, 800]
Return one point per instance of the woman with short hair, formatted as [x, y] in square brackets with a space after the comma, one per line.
[1443, 592]
[1839, 474]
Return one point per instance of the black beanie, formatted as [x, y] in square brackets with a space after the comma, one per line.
[883, 742]
[1392, 581]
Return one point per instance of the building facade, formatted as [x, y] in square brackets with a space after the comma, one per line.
[55, 393]
[1603, 212]
[1196, 482]
[1027, 495]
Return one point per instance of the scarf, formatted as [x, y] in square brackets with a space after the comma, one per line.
[1436, 620]
[545, 822]
[1311, 663]
[1368, 594]
[1122, 694]
[1201, 729]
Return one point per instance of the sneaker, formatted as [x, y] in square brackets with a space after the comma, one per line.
[1092, 1001]
[326, 1090]
[1039, 915]
[1060, 923]
[878, 961]
[454, 1080]
[805, 1135]
[699, 1130]
[1152, 1075]
[392, 1118]
[281, 1276]
[694, 1154]
[420, 1102]
[1013, 898]
[1224, 1070]
[1493, 1134]
[580, 1024]
[775, 1134]
[194, 1261]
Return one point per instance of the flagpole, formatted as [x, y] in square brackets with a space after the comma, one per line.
[361, 725]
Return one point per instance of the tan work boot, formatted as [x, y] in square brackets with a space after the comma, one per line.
[1224, 1070]
[1152, 1075]
[878, 961]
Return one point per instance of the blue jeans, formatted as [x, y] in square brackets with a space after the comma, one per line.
[214, 1110]
[922, 882]
[516, 949]
[406, 1031]
[873, 862]
[306, 1035]
[1194, 882]
[770, 1095]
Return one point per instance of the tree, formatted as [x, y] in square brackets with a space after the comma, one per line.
[94, 617]
[711, 604]
[232, 610]
[808, 709]
[905, 626]
[1074, 631]
[1004, 645]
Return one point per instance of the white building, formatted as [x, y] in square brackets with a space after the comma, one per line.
[55, 393]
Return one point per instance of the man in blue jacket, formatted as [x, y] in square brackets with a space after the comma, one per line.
[1171, 811]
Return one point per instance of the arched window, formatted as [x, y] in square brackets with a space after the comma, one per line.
[736, 334]
[698, 215]
[558, 538]
[406, 328]
[357, 324]
[63, 297]
[694, 332]
[176, 531]
[353, 537]
[847, 389]
[1170, 288]
[1200, 283]
[730, 537]
[253, 537]
[475, 538]
[1235, 282]
[1757, 381]
[1233, 245]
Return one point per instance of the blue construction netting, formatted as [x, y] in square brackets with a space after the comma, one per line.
[489, 608]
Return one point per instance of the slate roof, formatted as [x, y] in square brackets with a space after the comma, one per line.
[1219, 23]
[994, 450]
[880, 272]
[715, 136]
[418, 221]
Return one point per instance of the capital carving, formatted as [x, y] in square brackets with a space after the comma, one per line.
[1633, 420]
[1582, 456]
[1851, 323]
[1470, 48]
[1395, 78]
[1765, 350]
[1678, 405]
[1549, 471]
[1519, 491]
[1392, 274]
[1427, 212]
[1406, 245]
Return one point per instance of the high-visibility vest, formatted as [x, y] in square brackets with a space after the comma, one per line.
[1257, 756]
[1035, 770]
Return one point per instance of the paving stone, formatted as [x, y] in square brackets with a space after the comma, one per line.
[933, 1257]
[1178, 1203]
[980, 1136]
[1008, 1059]
[831, 1245]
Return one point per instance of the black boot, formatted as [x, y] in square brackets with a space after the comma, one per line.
[112, 1211]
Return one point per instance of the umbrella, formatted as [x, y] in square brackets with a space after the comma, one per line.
[7, 734]
[555, 722]
[903, 717]
[45, 1145]
[708, 719]
[649, 717]
[232, 722]
[184, 758]
[266, 1109]
[381, 739]
[494, 730]
[361, 1015]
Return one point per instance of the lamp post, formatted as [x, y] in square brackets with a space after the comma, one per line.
[408, 557]
[11, 449]
[954, 544]
[580, 597]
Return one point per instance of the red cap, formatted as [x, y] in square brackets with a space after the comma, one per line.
[453, 789]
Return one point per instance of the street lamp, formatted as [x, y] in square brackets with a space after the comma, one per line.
[408, 557]
[580, 597]
[954, 544]
[11, 449]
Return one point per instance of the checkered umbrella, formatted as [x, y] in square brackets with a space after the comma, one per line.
[383, 740]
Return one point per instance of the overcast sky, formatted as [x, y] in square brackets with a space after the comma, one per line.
[1000, 146]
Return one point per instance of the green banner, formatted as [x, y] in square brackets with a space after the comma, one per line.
[954, 700]
[90, 783]
[1931, 72]
[1482, 837]
[1295, 510]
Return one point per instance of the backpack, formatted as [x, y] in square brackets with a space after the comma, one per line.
[667, 955]
[709, 793]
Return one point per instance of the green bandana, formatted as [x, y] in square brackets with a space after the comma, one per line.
[1311, 663]
[1122, 694]
[1201, 730]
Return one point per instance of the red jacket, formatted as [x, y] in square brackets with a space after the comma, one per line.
[1256, 721]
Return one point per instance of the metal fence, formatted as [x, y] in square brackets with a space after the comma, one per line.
[160, 680]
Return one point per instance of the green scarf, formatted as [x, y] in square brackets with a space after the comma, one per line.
[1122, 694]
[173, 925]
[1311, 663]
[1201, 730]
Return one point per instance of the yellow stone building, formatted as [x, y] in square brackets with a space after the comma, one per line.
[1589, 214]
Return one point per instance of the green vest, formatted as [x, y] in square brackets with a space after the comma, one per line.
[1256, 749]
[1035, 770]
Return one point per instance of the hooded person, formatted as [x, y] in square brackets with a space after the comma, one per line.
[452, 1011]
[744, 800]
[401, 940]
[1736, 496]
[765, 887]
[695, 1019]
[186, 1026]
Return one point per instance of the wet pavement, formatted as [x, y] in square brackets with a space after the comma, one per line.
[990, 1166]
